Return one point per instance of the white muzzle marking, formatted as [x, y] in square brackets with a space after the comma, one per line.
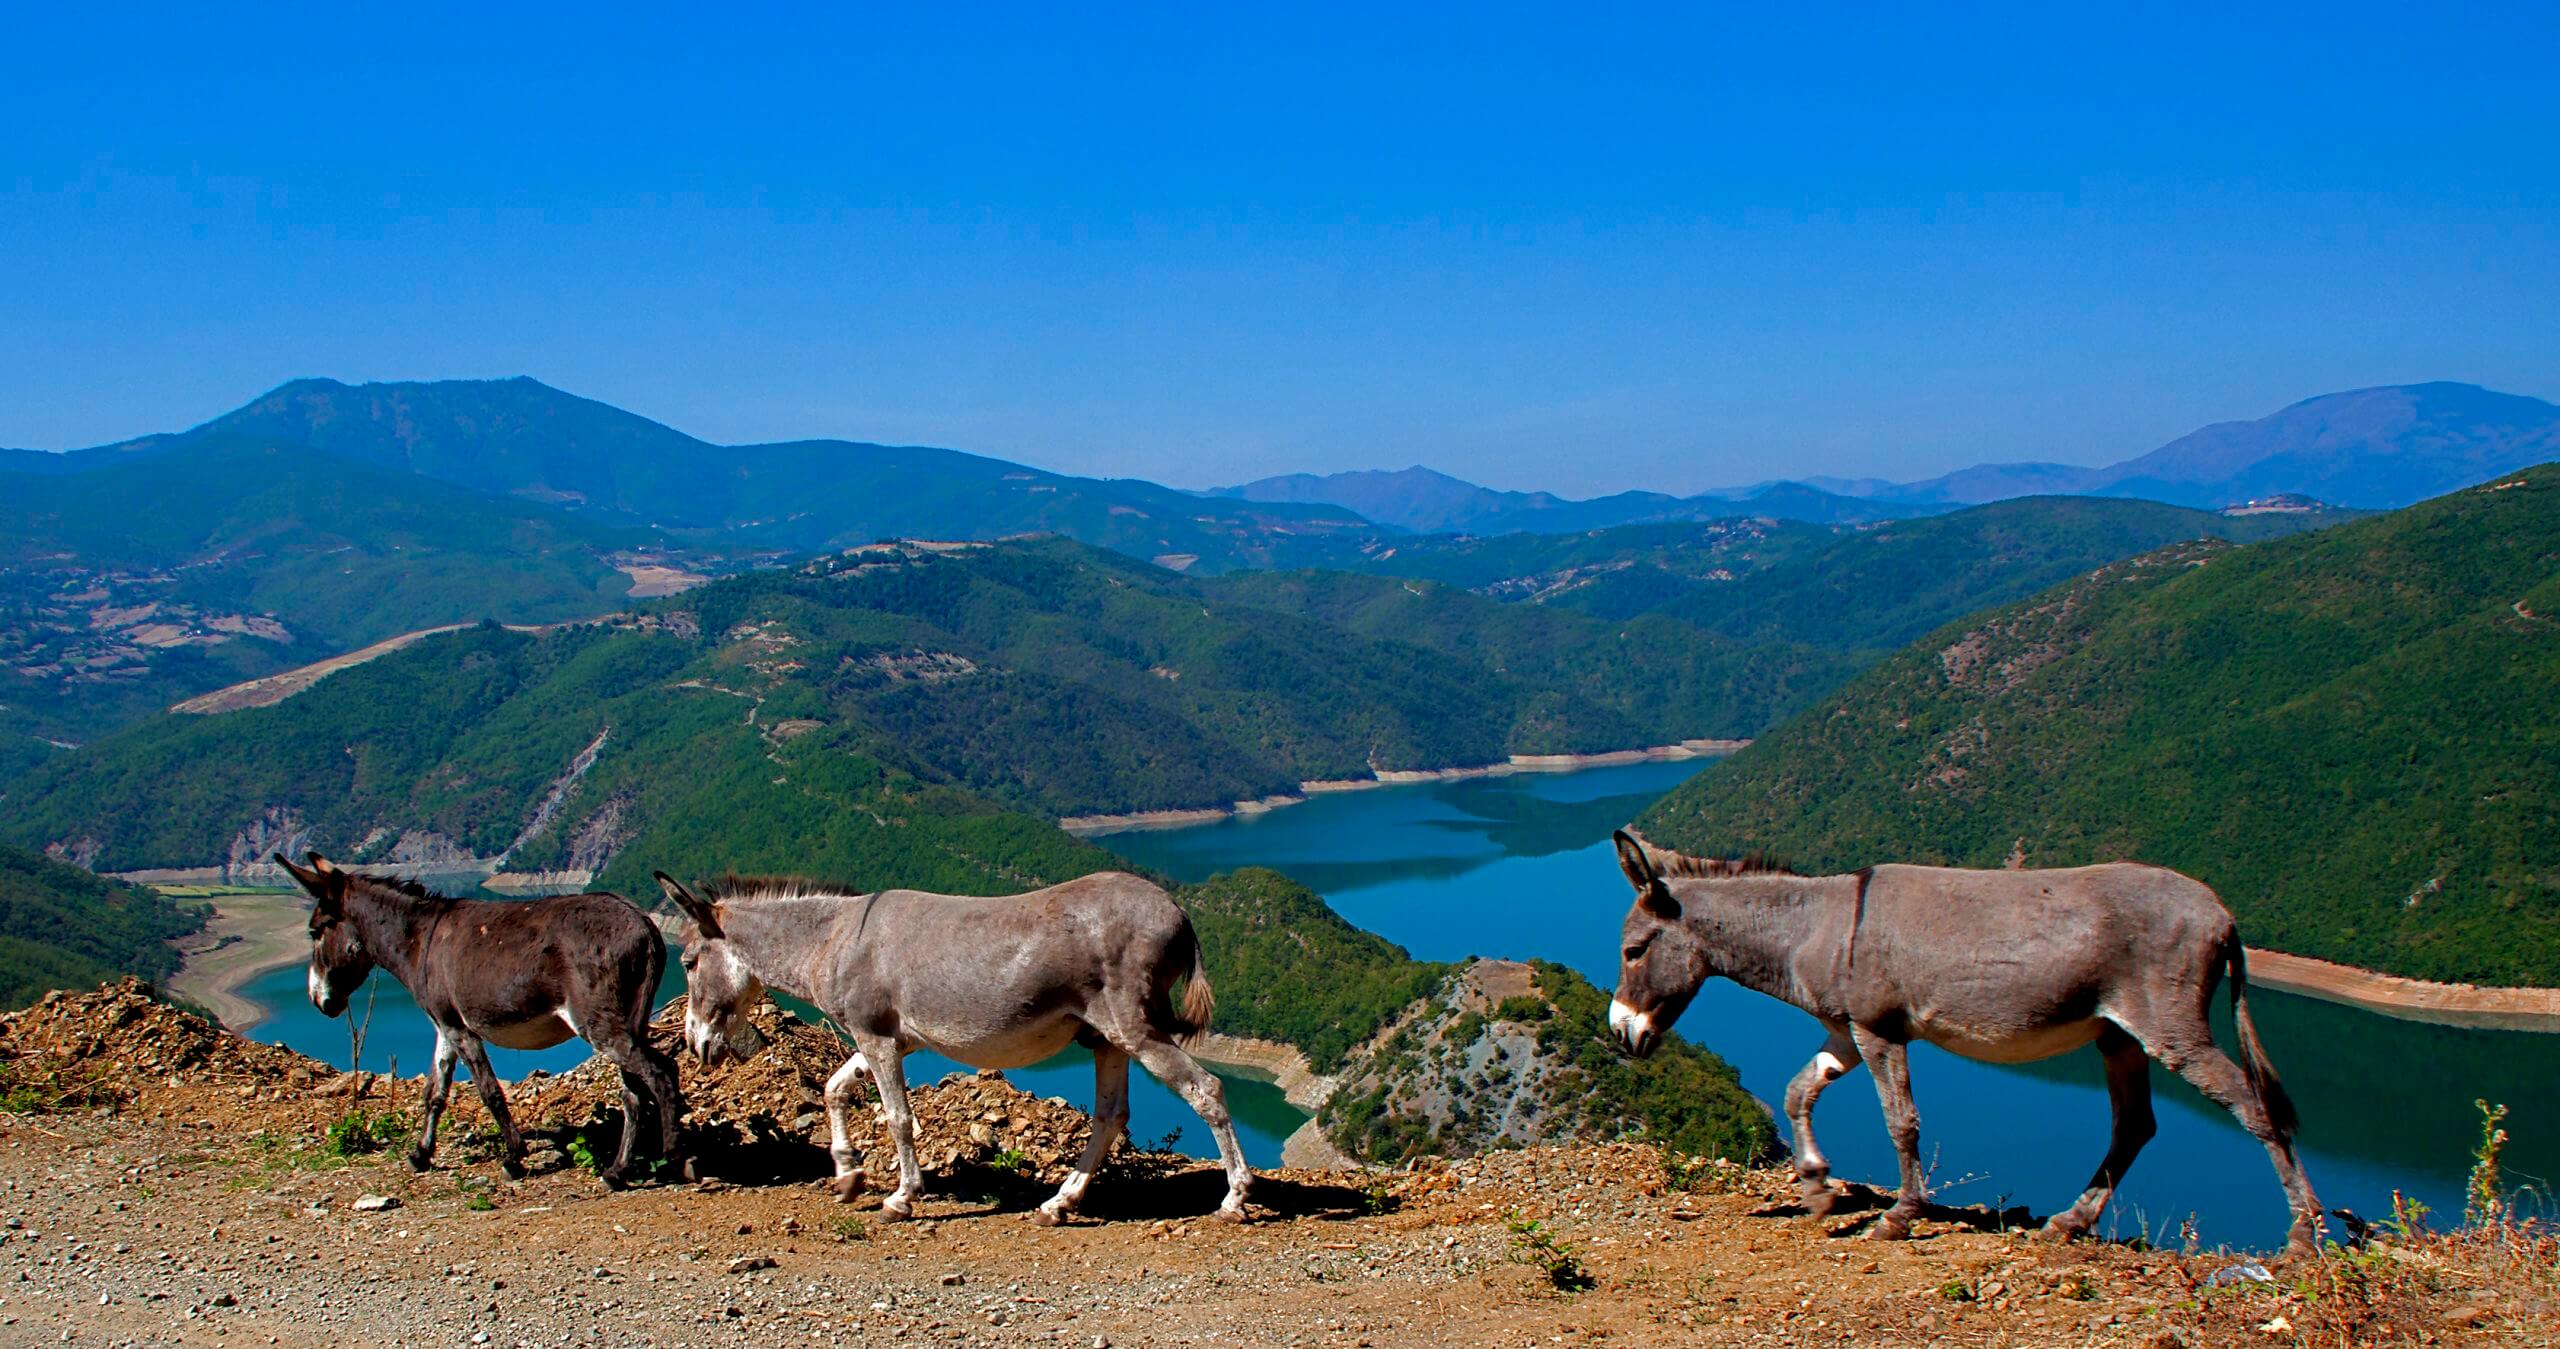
[1628, 1024]
[319, 989]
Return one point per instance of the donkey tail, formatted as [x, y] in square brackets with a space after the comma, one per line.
[2253, 1055]
[1199, 1001]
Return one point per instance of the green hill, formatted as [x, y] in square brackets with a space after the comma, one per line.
[130, 587]
[2348, 734]
[1875, 589]
[61, 927]
[1043, 677]
[521, 438]
[1858, 591]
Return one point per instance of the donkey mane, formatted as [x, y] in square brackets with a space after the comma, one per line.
[1679, 864]
[406, 886]
[736, 887]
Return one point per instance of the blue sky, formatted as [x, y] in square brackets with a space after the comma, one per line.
[1577, 249]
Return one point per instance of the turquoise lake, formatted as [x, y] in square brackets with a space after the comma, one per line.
[1520, 866]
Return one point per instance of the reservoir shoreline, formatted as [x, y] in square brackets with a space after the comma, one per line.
[1095, 826]
[251, 935]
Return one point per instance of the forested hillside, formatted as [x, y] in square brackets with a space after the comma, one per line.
[2348, 734]
[131, 587]
[61, 927]
[895, 682]
[1874, 589]
[521, 438]
[1856, 591]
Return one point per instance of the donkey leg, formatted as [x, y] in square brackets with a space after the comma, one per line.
[475, 1056]
[1208, 1098]
[1110, 1117]
[1838, 1055]
[2212, 1072]
[618, 1044]
[847, 1184]
[889, 1073]
[439, 1084]
[658, 1072]
[2129, 1091]
[636, 1106]
[1888, 1061]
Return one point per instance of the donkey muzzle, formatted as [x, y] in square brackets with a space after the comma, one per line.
[1635, 1030]
[324, 999]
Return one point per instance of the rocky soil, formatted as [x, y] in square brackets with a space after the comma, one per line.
[218, 1210]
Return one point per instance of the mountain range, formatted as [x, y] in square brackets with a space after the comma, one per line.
[2368, 448]
[1425, 501]
[2348, 731]
[523, 439]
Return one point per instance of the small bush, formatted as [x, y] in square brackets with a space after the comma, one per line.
[359, 1133]
[1555, 1260]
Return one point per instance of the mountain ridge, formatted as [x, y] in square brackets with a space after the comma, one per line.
[2380, 447]
[2344, 732]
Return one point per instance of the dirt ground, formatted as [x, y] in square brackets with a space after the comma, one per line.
[133, 1211]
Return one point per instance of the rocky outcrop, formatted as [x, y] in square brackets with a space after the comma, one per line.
[548, 808]
[424, 850]
[1504, 1055]
[277, 829]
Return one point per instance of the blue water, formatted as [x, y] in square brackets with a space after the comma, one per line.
[1520, 867]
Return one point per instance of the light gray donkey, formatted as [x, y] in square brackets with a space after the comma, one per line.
[994, 983]
[2002, 966]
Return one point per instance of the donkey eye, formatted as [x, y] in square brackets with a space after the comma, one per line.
[1636, 952]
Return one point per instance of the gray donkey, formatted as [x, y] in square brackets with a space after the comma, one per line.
[2001, 966]
[994, 983]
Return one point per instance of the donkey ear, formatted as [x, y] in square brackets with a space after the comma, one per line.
[704, 916]
[1633, 860]
[1651, 894]
[321, 881]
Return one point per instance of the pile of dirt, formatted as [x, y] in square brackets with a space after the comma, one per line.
[119, 1047]
[966, 1120]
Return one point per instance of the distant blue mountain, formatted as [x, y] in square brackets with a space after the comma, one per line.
[1426, 501]
[523, 439]
[2373, 449]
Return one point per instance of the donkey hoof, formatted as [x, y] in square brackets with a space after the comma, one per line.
[1047, 1215]
[1819, 1200]
[1889, 1228]
[2061, 1232]
[420, 1158]
[514, 1167]
[846, 1188]
[1230, 1214]
[896, 1210]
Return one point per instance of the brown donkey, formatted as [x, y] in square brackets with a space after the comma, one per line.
[518, 975]
[2002, 966]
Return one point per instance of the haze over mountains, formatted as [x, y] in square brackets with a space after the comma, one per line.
[323, 516]
[522, 438]
[2369, 448]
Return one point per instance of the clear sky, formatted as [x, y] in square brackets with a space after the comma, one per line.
[1575, 248]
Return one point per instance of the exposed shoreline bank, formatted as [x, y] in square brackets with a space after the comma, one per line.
[2470, 1005]
[1300, 1084]
[248, 936]
[1095, 826]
